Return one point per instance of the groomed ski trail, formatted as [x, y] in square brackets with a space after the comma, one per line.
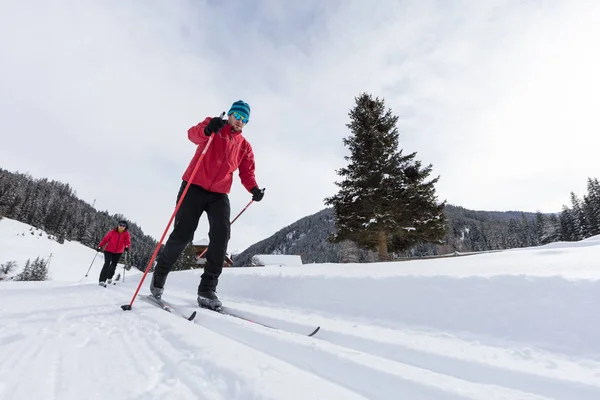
[375, 361]
[519, 368]
[83, 345]
[77, 343]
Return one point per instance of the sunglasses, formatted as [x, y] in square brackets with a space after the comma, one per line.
[240, 117]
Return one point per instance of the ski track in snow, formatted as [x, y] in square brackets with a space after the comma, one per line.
[158, 355]
[519, 368]
[375, 362]
[84, 349]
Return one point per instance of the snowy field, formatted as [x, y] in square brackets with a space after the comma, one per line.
[518, 324]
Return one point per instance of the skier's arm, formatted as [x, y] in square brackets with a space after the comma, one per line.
[196, 133]
[127, 241]
[104, 240]
[247, 167]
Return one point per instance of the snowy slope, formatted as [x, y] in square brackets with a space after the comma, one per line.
[519, 324]
[68, 262]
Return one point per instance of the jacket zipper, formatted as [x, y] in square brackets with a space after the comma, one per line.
[118, 239]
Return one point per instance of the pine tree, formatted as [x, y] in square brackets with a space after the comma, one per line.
[384, 203]
[34, 271]
[568, 225]
[27, 272]
[591, 207]
[554, 235]
[579, 220]
[39, 270]
[546, 229]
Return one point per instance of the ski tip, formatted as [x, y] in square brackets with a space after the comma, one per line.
[315, 331]
[191, 317]
[126, 307]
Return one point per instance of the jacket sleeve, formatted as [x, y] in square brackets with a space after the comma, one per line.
[128, 240]
[196, 133]
[247, 167]
[105, 239]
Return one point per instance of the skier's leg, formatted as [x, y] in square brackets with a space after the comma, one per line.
[218, 211]
[106, 266]
[186, 222]
[113, 265]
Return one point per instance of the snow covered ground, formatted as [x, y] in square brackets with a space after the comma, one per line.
[518, 324]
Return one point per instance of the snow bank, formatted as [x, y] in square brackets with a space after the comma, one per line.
[541, 297]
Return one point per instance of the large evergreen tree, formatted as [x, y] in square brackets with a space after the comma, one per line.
[384, 202]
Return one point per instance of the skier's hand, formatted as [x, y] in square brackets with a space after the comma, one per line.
[127, 249]
[257, 194]
[98, 249]
[215, 125]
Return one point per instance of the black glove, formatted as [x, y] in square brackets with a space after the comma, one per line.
[214, 125]
[127, 249]
[99, 248]
[257, 194]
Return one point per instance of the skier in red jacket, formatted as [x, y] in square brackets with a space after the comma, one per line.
[208, 192]
[117, 240]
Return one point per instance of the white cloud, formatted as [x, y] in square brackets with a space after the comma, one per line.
[500, 96]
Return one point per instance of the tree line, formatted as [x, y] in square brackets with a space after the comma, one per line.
[54, 207]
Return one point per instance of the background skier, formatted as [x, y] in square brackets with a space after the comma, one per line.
[116, 241]
[208, 192]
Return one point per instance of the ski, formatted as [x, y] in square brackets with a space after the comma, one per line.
[231, 313]
[166, 306]
[221, 310]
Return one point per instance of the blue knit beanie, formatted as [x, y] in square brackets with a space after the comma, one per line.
[240, 107]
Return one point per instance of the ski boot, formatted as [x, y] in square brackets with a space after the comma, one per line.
[156, 291]
[208, 299]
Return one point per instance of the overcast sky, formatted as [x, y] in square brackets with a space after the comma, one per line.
[502, 97]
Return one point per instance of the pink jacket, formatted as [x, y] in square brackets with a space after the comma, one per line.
[228, 152]
[117, 242]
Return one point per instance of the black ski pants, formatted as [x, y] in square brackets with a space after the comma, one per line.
[197, 200]
[110, 265]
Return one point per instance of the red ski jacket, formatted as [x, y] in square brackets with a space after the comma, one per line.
[117, 242]
[227, 152]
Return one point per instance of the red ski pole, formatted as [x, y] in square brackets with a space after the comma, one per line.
[247, 205]
[126, 307]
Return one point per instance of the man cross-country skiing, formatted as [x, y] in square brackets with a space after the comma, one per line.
[208, 192]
